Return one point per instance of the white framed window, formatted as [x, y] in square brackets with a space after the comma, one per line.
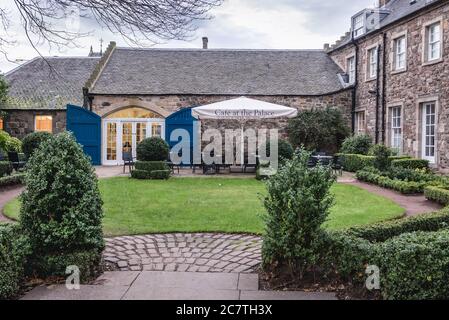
[43, 123]
[400, 53]
[429, 126]
[360, 123]
[396, 129]
[433, 42]
[372, 63]
[359, 26]
[350, 66]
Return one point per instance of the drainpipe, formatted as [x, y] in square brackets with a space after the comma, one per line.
[384, 87]
[354, 89]
[85, 98]
[379, 48]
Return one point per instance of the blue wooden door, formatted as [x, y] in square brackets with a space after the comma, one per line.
[180, 120]
[86, 126]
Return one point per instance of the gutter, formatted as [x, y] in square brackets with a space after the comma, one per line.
[378, 83]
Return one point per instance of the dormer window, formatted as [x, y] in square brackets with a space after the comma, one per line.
[359, 25]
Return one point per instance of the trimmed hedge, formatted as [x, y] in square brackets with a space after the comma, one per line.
[356, 162]
[55, 265]
[151, 165]
[12, 180]
[412, 254]
[411, 163]
[140, 174]
[404, 187]
[152, 149]
[5, 168]
[14, 250]
[437, 194]
[160, 174]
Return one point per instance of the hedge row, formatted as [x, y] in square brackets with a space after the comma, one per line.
[12, 180]
[5, 168]
[404, 187]
[14, 250]
[411, 163]
[437, 194]
[356, 162]
[411, 253]
[157, 170]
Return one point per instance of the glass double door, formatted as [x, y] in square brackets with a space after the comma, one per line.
[121, 137]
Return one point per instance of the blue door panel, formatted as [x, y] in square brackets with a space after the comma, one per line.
[180, 120]
[86, 127]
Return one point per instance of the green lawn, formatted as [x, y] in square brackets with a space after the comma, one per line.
[214, 204]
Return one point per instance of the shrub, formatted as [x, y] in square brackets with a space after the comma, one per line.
[355, 162]
[32, 141]
[5, 168]
[405, 187]
[140, 174]
[12, 180]
[318, 130]
[153, 149]
[297, 204]
[285, 150]
[55, 264]
[14, 250]
[151, 165]
[417, 175]
[13, 145]
[4, 137]
[381, 156]
[62, 208]
[359, 144]
[411, 163]
[415, 266]
[437, 194]
[160, 174]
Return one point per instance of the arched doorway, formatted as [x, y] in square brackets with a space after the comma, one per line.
[124, 129]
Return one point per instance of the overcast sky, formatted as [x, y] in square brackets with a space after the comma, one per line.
[255, 24]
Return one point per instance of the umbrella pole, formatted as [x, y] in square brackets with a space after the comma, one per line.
[242, 147]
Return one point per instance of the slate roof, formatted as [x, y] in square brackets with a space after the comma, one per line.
[218, 72]
[34, 85]
[398, 9]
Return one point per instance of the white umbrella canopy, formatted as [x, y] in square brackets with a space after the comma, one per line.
[243, 109]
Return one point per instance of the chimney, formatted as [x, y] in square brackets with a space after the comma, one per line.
[205, 43]
[327, 47]
[383, 3]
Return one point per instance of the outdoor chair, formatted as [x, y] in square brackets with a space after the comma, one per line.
[312, 163]
[128, 160]
[17, 160]
[337, 165]
[171, 165]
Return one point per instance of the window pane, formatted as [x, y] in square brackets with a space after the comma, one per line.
[111, 141]
[156, 130]
[133, 113]
[44, 123]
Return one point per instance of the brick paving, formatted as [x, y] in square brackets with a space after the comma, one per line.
[185, 252]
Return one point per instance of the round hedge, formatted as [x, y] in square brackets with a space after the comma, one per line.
[61, 208]
[14, 145]
[153, 149]
[32, 141]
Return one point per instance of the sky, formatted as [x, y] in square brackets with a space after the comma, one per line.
[242, 24]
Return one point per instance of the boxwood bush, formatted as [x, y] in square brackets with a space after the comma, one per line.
[356, 162]
[152, 149]
[437, 194]
[358, 144]
[160, 174]
[12, 180]
[5, 168]
[412, 255]
[411, 163]
[32, 141]
[62, 208]
[151, 165]
[14, 250]
[140, 174]
[405, 187]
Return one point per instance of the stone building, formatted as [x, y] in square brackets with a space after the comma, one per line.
[397, 59]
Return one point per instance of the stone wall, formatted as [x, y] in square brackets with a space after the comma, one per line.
[419, 83]
[19, 123]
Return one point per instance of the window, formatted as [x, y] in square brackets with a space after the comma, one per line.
[359, 26]
[429, 131]
[1, 124]
[396, 129]
[400, 53]
[360, 123]
[372, 63]
[433, 42]
[351, 69]
[44, 123]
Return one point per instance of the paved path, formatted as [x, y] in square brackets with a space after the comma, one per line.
[413, 204]
[198, 252]
[131, 285]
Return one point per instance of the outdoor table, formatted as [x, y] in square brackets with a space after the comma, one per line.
[324, 159]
